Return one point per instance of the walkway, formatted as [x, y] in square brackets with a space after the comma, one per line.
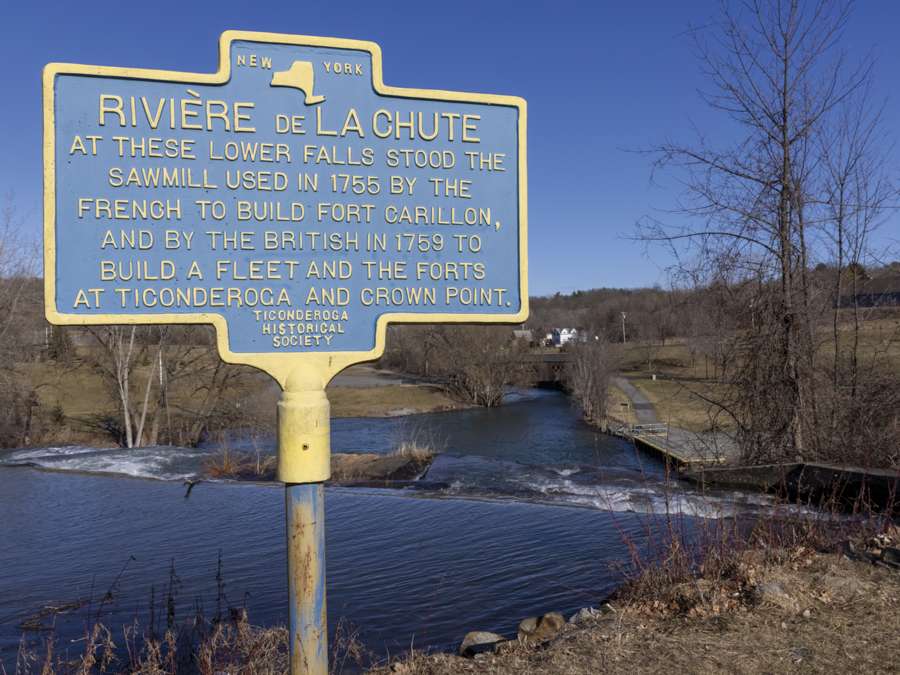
[685, 448]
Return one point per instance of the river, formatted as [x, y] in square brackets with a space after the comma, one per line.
[527, 510]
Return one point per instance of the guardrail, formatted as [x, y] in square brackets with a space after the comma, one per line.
[621, 427]
[656, 429]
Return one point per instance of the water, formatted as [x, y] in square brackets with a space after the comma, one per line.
[529, 511]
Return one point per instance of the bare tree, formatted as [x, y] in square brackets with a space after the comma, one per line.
[863, 386]
[143, 365]
[20, 326]
[121, 350]
[758, 205]
[588, 374]
[478, 363]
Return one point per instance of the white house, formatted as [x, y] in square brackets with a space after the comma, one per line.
[562, 336]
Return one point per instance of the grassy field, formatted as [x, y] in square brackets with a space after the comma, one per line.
[78, 397]
[685, 378]
[620, 406]
[388, 400]
[682, 381]
[682, 404]
[77, 391]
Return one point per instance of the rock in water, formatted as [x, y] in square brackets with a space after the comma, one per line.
[547, 627]
[479, 641]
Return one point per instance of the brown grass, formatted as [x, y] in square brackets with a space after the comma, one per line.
[235, 647]
[83, 402]
[781, 610]
[406, 463]
[225, 643]
[680, 373]
[415, 451]
[838, 616]
[682, 405]
[410, 459]
[388, 400]
[228, 463]
[619, 406]
[776, 599]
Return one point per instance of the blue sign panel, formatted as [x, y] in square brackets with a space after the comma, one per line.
[291, 198]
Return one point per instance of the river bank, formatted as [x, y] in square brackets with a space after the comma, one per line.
[798, 608]
[525, 509]
[781, 610]
[80, 410]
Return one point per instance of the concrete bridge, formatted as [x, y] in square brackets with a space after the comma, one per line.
[547, 369]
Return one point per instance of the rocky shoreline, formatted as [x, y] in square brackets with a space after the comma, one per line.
[792, 609]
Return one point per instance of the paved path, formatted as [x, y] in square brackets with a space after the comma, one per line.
[643, 409]
[685, 447]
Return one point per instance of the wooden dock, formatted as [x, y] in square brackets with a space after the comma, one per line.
[683, 448]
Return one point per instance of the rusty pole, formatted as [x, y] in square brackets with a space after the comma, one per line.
[304, 464]
[305, 509]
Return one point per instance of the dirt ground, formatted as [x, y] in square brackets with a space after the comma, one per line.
[812, 613]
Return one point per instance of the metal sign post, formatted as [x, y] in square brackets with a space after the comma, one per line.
[298, 204]
[304, 464]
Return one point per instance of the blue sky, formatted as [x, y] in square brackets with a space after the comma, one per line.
[600, 78]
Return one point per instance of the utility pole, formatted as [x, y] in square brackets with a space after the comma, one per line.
[623, 328]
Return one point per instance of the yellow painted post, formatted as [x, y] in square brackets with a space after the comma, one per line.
[304, 464]
[75, 295]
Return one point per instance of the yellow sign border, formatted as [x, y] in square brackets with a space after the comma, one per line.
[310, 369]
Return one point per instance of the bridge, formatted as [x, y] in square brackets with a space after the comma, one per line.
[547, 369]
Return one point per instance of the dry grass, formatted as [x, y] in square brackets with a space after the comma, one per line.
[234, 465]
[79, 391]
[225, 643]
[672, 359]
[850, 627]
[415, 451]
[85, 404]
[682, 373]
[794, 610]
[879, 334]
[232, 647]
[678, 405]
[388, 400]
[620, 407]
[753, 608]
[409, 460]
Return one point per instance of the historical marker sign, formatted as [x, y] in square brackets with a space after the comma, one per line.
[296, 203]
[291, 199]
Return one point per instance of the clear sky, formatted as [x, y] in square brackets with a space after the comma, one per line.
[600, 77]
